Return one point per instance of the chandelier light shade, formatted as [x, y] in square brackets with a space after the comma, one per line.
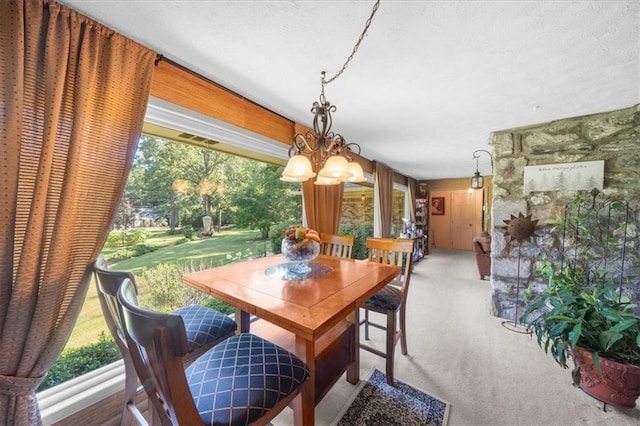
[357, 175]
[323, 180]
[298, 168]
[336, 167]
[477, 181]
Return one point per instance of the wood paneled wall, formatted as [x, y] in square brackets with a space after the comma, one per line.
[179, 86]
[463, 183]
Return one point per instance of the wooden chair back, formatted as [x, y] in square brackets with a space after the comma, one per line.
[390, 251]
[337, 245]
[157, 343]
[108, 283]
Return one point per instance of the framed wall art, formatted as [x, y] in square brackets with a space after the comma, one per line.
[437, 205]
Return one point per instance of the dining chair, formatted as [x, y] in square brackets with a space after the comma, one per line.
[336, 245]
[242, 380]
[391, 299]
[204, 328]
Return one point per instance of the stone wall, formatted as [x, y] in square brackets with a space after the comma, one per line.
[357, 208]
[613, 137]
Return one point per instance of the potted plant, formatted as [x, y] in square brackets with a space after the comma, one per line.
[597, 327]
[583, 315]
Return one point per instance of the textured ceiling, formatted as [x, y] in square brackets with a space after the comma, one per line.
[431, 80]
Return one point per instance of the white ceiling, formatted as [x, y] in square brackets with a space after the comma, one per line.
[431, 80]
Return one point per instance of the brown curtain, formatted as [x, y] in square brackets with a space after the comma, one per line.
[411, 186]
[383, 179]
[73, 100]
[322, 203]
[322, 206]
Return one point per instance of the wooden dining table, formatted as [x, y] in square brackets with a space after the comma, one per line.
[315, 316]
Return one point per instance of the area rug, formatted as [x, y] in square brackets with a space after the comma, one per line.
[377, 403]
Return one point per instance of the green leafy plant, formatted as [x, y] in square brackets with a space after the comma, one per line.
[188, 232]
[75, 362]
[361, 232]
[569, 313]
[127, 237]
[585, 304]
[528, 295]
[161, 287]
[133, 251]
[218, 305]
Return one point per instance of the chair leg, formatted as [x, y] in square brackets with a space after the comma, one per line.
[391, 340]
[366, 324]
[127, 417]
[130, 391]
[403, 328]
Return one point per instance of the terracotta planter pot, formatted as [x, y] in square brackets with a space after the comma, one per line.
[619, 384]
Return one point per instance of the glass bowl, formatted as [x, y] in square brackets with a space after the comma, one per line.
[300, 252]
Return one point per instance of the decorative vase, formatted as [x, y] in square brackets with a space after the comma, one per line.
[618, 385]
[300, 252]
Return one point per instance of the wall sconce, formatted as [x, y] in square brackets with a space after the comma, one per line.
[477, 181]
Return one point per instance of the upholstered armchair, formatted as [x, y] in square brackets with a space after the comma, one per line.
[482, 249]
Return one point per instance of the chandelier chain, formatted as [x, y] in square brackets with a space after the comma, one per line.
[355, 48]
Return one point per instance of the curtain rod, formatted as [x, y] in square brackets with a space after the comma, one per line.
[161, 58]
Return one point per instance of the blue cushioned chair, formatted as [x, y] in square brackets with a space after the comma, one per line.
[391, 299]
[242, 380]
[204, 328]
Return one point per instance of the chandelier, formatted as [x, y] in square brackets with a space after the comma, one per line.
[323, 147]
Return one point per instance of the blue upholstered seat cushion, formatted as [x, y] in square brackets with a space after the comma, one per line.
[389, 298]
[204, 325]
[241, 378]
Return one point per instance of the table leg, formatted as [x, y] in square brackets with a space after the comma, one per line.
[353, 371]
[243, 319]
[304, 406]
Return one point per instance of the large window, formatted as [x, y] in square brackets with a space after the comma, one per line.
[400, 209]
[357, 205]
[185, 207]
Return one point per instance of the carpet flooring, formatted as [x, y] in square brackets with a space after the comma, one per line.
[461, 353]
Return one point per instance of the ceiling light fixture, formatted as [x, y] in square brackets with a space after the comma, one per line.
[323, 147]
[477, 181]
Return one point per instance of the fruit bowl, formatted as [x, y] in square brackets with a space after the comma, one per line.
[300, 251]
[300, 245]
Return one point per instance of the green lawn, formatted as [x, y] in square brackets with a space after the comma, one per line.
[158, 237]
[211, 251]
